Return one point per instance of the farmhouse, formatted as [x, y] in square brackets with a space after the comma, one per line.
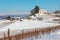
[42, 11]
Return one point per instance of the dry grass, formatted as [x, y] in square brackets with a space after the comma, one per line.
[32, 33]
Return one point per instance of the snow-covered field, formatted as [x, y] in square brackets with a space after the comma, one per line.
[53, 36]
[28, 25]
[46, 37]
[4, 23]
[16, 27]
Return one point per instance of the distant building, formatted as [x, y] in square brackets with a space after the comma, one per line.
[42, 11]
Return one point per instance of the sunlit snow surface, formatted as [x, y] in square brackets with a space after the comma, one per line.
[46, 37]
[52, 36]
[22, 25]
[28, 25]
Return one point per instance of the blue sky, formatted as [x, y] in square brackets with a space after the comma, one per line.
[27, 5]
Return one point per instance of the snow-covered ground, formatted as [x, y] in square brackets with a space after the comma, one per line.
[28, 25]
[16, 27]
[45, 17]
[46, 37]
[52, 36]
[4, 23]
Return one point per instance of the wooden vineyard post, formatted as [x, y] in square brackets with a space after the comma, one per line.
[22, 35]
[4, 36]
[40, 33]
[9, 34]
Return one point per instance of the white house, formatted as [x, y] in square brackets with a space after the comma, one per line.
[42, 11]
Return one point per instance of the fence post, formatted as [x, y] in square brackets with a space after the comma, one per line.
[4, 35]
[9, 34]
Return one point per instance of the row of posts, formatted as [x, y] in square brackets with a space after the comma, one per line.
[50, 30]
[7, 34]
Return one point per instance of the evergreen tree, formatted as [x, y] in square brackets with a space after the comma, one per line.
[35, 10]
[8, 17]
